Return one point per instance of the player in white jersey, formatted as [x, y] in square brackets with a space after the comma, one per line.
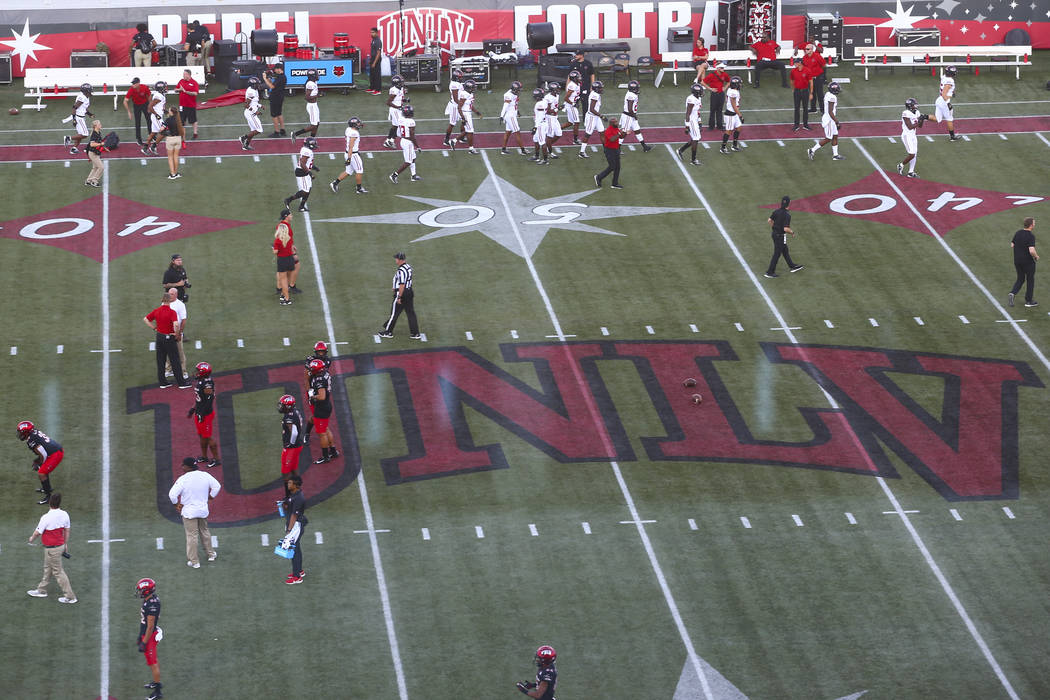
[539, 131]
[313, 111]
[553, 126]
[251, 114]
[509, 115]
[592, 120]
[830, 121]
[455, 84]
[911, 122]
[734, 119]
[80, 115]
[467, 110]
[692, 121]
[944, 110]
[157, 103]
[352, 162]
[629, 119]
[571, 106]
[406, 132]
[304, 179]
[394, 102]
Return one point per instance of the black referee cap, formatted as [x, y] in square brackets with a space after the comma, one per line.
[399, 255]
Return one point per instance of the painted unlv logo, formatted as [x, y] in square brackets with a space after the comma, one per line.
[423, 25]
[966, 450]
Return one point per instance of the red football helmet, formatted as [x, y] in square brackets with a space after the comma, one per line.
[286, 403]
[545, 655]
[203, 370]
[315, 366]
[145, 587]
[24, 428]
[321, 347]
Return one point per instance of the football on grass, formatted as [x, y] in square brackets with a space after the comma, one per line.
[13, 110]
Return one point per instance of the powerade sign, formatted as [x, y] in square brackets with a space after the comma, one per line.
[329, 71]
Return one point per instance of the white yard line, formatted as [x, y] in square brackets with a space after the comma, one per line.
[384, 593]
[898, 509]
[104, 302]
[669, 599]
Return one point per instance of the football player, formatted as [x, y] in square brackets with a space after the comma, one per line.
[304, 178]
[629, 120]
[510, 115]
[830, 121]
[455, 84]
[321, 409]
[943, 110]
[546, 675]
[48, 455]
[467, 110]
[313, 111]
[409, 146]
[553, 125]
[320, 353]
[251, 114]
[149, 632]
[80, 114]
[572, 100]
[394, 102]
[203, 414]
[353, 163]
[593, 120]
[911, 121]
[539, 130]
[157, 103]
[692, 121]
[291, 438]
[734, 119]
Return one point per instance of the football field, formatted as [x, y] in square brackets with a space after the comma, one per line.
[855, 506]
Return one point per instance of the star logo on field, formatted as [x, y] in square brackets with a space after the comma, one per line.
[25, 44]
[901, 19]
[521, 229]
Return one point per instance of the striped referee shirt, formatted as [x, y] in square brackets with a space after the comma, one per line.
[403, 276]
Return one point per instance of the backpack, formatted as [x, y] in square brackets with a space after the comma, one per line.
[111, 141]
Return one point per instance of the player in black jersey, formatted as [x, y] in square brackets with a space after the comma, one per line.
[149, 632]
[320, 353]
[203, 414]
[546, 675]
[48, 456]
[291, 438]
[321, 409]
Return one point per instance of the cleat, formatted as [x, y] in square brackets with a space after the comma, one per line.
[47, 497]
[838, 157]
[334, 186]
[736, 147]
[67, 140]
[446, 143]
[303, 208]
[417, 178]
[1009, 302]
[524, 152]
[770, 275]
[37, 594]
[393, 178]
[165, 385]
[955, 138]
[795, 128]
[385, 334]
[597, 182]
[153, 150]
[145, 151]
[155, 695]
[213, 463]
[807, 127]
[417, 336]
[75, 150]
[617, 187]
[900, 168]
[1032, 303]
[646, 148]
[504, 152]
[472, 150]
[695, 162]
[543, 162]
[462, 138]
[796, 268]
[581, 154]
[724, 150]
[576, 142]
[809, 153]
[361, 190]
[554, 155]
[913, 174]
[322, 460]
[292, 136]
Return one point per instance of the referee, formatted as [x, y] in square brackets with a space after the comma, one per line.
[403, 300]
[780, 223]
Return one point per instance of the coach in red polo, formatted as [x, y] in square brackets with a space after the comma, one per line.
[138, 95]
[165, 322]
[815, 64]
[802, 82]
[766, 54]
[716, 83]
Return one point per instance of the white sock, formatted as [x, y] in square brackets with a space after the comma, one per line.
[816, 146]
[911, 165]
[412, 167]
[834, 150]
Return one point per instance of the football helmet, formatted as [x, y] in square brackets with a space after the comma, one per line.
[634, 87]
[408, 110]
[315, 366]
[574, 76]
[203, 370]
[457, 75]
[554, 88]
[545, 656]
[537, 94]
[147, 587]
[353, 123]
[24, 428]
[162, 86]
[597, 86]
[735, 82]
[286, 403]
[253, 81]
[310, 143]
[311, 74]
[697, 89]
[470, 86]
[397, 81]
[834, 88]
[911, 104]
[515, 87]
[86, 88]
[321, 347]
[951, 71]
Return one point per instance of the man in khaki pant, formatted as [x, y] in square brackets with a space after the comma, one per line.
[190, 496]
[53, 530]
[94, 152]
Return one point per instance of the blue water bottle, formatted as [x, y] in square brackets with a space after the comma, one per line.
[280, 508]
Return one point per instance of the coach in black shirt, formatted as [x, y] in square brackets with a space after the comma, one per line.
[780, 222]
[175, 276]
[375, 68]
[586, 68]
[1024, 262]
[276, 81]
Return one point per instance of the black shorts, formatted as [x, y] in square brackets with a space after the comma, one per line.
[276, 107]
[189, 115]
[286, 263]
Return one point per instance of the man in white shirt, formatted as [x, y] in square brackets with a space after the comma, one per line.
[179, 307]
[53, 530]
[190, 495]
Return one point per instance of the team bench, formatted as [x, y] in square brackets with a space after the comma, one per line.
[742, 60]
[962, 56]
[65, 82]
